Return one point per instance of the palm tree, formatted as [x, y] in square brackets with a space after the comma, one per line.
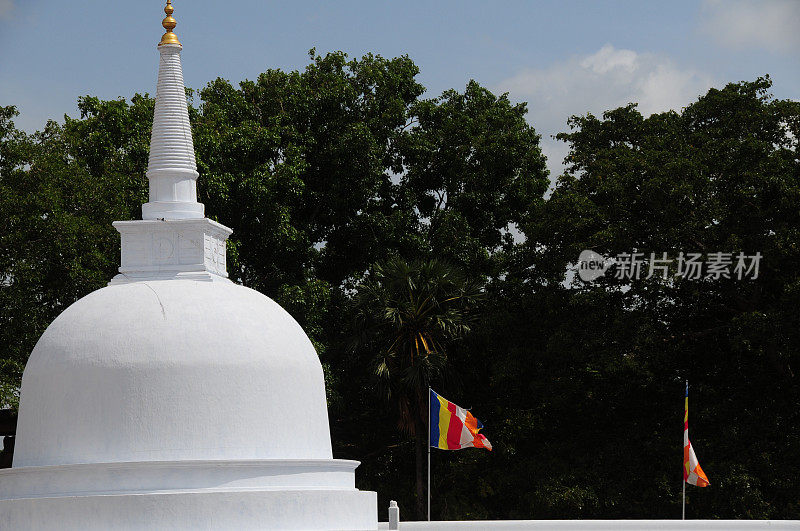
[407, 315]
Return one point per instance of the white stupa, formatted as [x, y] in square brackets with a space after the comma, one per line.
[174, 398]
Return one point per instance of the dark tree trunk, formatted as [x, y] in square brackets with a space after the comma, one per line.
[421, 443]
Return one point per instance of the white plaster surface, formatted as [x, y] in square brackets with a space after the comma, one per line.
[171, 170]
[600, 525]
[192, 249]
[177, 404]
[192, 511]
[173, 398]
[172, 370]
[176, 476]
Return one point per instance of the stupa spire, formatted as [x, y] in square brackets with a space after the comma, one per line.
[171, 170]
[174, 240]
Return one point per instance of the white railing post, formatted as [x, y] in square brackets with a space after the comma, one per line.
[394, 515]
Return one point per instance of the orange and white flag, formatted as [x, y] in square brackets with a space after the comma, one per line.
[692, 473]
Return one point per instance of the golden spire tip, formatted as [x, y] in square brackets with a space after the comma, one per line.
[169, 25]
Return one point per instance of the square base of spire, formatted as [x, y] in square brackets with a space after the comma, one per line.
[192, 249]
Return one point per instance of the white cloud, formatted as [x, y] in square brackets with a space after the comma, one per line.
[6, 7]
[608, 58]
[773, 25]
[606, 79]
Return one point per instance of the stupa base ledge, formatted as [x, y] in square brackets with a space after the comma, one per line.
[138, 276]
[247, 494]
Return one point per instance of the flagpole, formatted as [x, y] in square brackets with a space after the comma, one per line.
[683, 511]
[683, 507]
[429, 453]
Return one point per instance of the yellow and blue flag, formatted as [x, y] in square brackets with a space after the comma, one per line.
[453, 427]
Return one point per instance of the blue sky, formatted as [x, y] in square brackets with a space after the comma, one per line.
[565, 57]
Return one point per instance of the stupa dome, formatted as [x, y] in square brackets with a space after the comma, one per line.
[180, 370]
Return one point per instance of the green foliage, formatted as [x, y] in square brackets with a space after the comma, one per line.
[310, 154]
[473, 168]
[60, 189]
[605, 372]
[407, 315]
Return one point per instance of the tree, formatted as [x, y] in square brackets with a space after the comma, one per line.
[60, 190]
[13, 156]
[580, 385]
[325, 171]
[721, 176]
[407, 316]
[346, 151]
[474, 170]
[310, 155]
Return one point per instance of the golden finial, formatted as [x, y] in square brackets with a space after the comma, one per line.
[169, 25]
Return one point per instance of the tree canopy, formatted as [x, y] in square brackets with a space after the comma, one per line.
[329, 174]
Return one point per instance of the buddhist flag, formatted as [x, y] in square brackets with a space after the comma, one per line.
[453, 427]
[692, 473]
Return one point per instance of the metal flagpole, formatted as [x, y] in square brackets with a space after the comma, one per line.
[683, 508]
[429, 453]
[683, 511]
